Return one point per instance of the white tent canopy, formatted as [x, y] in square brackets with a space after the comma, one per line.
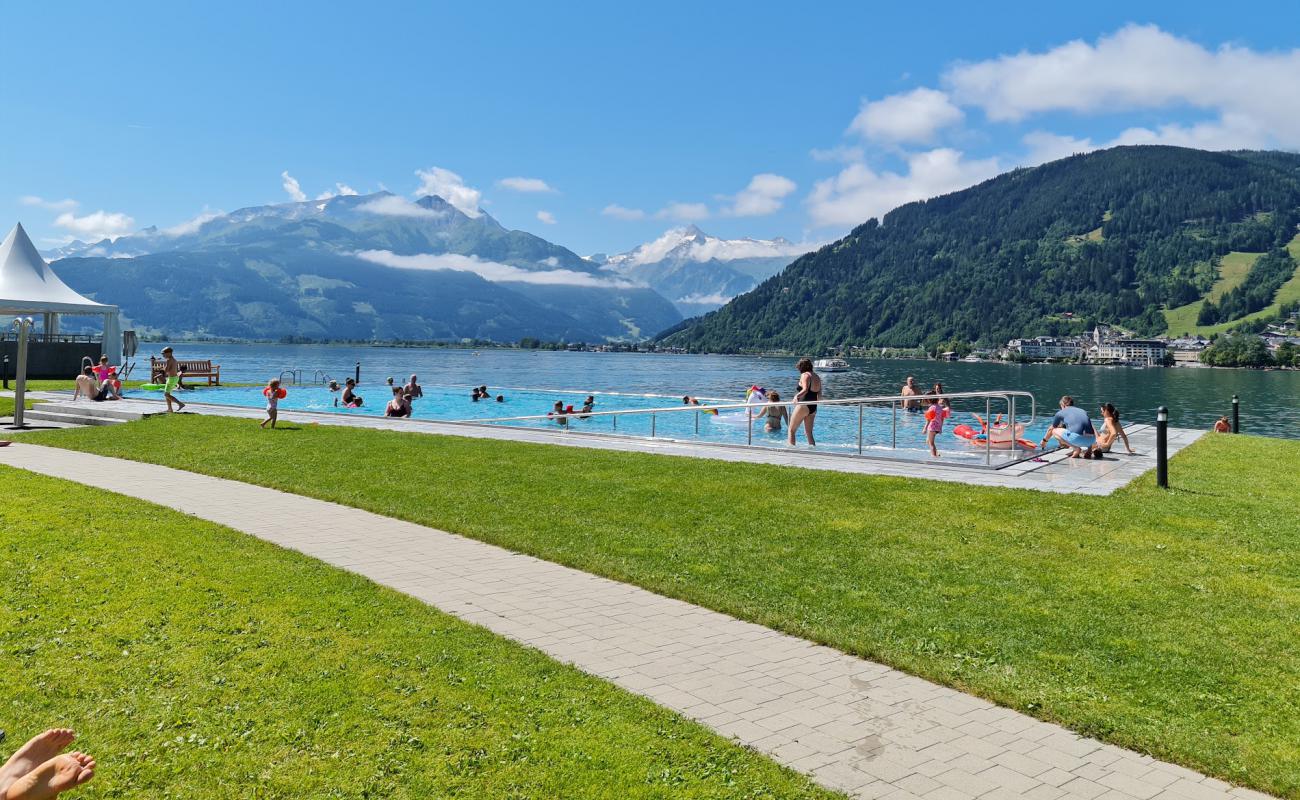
[29, 286]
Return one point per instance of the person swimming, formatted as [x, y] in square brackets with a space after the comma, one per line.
[400, 405]
[558, 414]
[687, 400]
[350, 398]
[475, 396]
[413, 389]
[772, 416]
[501, 398]
[587, 406]
[334, 389]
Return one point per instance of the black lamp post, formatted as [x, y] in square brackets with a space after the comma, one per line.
[1162, 447]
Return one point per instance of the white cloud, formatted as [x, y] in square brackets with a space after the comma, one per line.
[619, 212]
[524, 185]
[450, 187]
[762, 196]
[192, 225]
[914, 116]
[67, 204]
[1044, 146]
[1141, 67]
[841, 153]
[717, 299]
[546, 217]
[291, 186]
[858, 193]
[343, 191]
[393, 206]
[490, 270]
[686, 212]
[96, 225]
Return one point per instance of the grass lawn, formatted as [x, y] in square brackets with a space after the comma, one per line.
[1160, 621]
[197, 662]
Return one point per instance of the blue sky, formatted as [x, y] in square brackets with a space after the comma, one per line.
[749, 119]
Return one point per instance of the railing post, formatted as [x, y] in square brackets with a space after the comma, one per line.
[357, 376]
[652, 425]
[893, 405]
[749, 433]
[697, 423]
[1162, 447]
[988, 431]
[1236, 415]
[859, 429]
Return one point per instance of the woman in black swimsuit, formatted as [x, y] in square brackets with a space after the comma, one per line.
[810, 386]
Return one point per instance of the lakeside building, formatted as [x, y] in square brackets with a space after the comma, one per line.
[1187, 349]
[1046, 347]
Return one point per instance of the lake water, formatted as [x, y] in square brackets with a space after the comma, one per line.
[1270, 401]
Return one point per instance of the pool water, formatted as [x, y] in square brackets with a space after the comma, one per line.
[836, 426]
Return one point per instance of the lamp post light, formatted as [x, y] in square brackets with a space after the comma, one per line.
[1236, 414]
[24, 326]
[1162, 447]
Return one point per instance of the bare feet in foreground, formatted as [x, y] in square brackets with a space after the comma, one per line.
[41, 748]
[59, 774]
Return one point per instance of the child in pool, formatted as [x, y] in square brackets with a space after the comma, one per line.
[272, 392]
[772, 416]
[934, 417]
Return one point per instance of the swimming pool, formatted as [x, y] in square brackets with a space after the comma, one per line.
[836, 429]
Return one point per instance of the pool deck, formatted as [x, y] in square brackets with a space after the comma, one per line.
[1054, 473]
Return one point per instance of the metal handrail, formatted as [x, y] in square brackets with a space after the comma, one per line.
[819, 402]
[1008, 396]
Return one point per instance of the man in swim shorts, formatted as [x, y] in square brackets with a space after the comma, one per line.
[171, 379]
[1072, 428]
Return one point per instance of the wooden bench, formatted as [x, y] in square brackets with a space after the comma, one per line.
[193, 368]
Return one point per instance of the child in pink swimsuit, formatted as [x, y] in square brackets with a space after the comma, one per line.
[934, 417]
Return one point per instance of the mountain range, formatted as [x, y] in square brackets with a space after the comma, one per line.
[698, 272]
[382, 267]
[374, 266]
[1129, 235]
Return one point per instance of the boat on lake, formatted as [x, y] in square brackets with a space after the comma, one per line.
[831, 365]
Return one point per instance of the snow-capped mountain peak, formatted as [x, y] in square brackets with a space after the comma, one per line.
[692, 244]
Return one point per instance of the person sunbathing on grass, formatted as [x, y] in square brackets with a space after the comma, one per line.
[37, 770]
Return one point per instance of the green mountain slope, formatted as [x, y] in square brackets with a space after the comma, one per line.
[1116, 236]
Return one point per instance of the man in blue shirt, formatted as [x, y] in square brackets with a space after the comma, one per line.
[1072, 427]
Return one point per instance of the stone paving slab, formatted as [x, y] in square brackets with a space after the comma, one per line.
[851, 724]
[1055, 473]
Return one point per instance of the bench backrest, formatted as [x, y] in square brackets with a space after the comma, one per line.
[193, 365]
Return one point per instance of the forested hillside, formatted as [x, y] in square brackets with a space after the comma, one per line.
[1112, 236]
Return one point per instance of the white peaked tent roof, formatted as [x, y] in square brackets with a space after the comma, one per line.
[28, 285]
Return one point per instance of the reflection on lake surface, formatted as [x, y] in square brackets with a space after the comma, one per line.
[1270, 401]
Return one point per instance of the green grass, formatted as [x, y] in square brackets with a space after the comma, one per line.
[1183, 319]
[197, 662]
[1163, 621]
[1233, 269]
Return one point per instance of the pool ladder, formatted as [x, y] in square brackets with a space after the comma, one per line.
[295, 376]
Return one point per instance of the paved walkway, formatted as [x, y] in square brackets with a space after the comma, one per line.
[853, 725]
[1055, 473]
